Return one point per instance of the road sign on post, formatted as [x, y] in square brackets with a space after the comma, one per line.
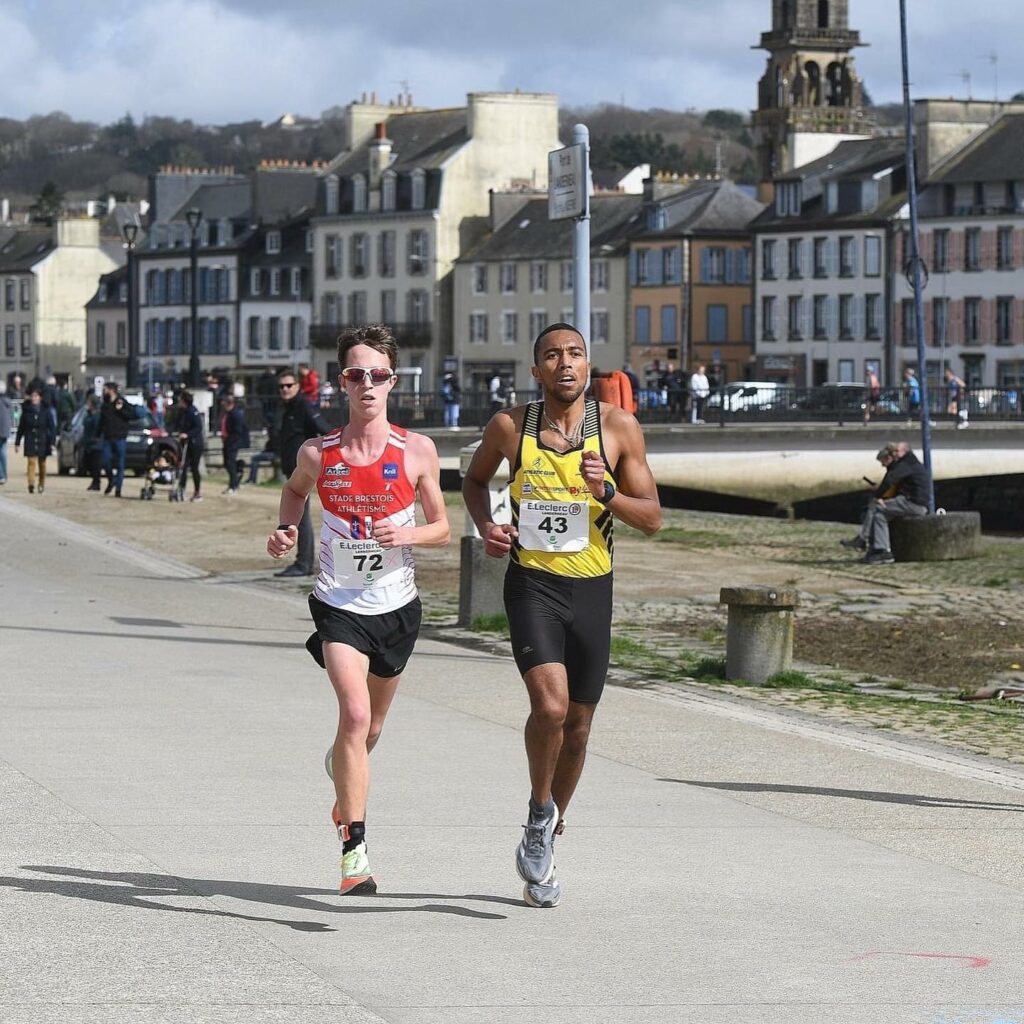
[569, 199]
[567, 183]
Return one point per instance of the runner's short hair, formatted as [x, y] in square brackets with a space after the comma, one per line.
[550, 329]
[375, 336]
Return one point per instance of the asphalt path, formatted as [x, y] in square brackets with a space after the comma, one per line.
[166, 853]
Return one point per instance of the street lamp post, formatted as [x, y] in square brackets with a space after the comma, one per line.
[129, 232]
[194, 218]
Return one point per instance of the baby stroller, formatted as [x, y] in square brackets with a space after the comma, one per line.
[162, 472]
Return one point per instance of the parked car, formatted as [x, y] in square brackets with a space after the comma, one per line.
[745, 395]
[145, 441]
[846, 397]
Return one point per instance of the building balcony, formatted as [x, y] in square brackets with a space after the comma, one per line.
[408, 335]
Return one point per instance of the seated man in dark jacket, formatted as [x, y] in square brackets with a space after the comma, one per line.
[902, 492]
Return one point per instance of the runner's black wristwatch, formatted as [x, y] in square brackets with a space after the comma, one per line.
[285, 526]
[609, 492]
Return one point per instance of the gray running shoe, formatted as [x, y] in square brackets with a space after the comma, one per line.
[543, 894]
[329, 762]
[535, 855]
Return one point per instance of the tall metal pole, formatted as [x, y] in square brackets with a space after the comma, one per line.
[581, 244]
[129, 232]
[194, 217]
[914, 263]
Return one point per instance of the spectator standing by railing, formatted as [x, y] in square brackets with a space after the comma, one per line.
[912, 386]
[699, 391]
[92, 442]
[451, 395]
[956, 391]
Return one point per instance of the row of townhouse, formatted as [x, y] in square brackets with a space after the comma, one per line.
[669, 280]
[288, 256]
[433, 222]
[832, 296]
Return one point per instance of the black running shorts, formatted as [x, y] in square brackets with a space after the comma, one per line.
[561, 620]
[387, 639]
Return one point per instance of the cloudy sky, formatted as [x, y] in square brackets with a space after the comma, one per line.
[225, 60]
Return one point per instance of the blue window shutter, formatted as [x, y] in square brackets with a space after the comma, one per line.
[632, 266]
[705, 265]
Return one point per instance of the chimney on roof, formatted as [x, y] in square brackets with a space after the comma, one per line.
[380, 154]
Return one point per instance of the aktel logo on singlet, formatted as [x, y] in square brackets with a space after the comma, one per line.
[338, 470]
[390, 471]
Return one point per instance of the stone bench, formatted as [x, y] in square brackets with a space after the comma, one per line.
[759, 634]
[936, 538]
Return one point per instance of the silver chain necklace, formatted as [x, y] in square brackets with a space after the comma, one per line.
[574, 437]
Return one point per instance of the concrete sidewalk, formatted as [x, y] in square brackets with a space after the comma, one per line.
[166, 853]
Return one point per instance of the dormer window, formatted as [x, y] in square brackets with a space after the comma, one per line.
[309, 241]
[358, 194]
[225, 231]
[273, 242]
[787, 199]
[831, 197]
[331, 192]
[419, 189]
[388, 190]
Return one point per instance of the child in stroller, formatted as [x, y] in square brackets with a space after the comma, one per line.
[162, 472]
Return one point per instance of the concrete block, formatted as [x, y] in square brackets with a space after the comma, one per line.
[759, 634]
[481, 582]
[937, 538]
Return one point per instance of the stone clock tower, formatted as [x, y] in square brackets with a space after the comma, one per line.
[810, 98]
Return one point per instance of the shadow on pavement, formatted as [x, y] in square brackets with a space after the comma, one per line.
[909, 799]
[143, 890]
[158, 636]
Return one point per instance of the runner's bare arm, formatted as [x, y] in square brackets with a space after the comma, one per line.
[497, 443]
[423, 467]
[635, 501]
[293, 498]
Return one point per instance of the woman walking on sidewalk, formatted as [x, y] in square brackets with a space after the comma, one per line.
[36, 429]
[365, 606]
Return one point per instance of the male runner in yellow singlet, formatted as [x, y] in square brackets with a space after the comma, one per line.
[575, 464]
[365, 606]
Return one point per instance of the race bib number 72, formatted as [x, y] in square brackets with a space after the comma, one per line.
[554, 525]
[364, 564]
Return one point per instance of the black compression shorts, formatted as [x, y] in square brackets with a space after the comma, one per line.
[387, 639]
[561, 620]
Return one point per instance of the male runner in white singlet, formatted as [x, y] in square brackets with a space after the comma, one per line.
[576, 465]
[364, 604]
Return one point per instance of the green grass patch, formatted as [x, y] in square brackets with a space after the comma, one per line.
[627, 647]
[793, 680]
[708, 670]
[490, 624]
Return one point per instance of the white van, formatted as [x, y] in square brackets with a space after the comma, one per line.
[746, 394]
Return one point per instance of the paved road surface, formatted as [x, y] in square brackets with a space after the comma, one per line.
[166, 856]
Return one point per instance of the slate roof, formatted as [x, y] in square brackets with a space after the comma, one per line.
[113, 282]
[856, 158]
[230, 201]
[293, 246]
[997, 154]
[424, 139]
[23, 248]
[531, 235]
[715, 207]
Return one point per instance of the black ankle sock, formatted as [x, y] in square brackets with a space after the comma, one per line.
[356, 835]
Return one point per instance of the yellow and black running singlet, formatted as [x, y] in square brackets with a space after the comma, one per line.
[563, 528]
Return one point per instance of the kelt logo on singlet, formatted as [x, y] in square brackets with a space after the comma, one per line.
[390, 470]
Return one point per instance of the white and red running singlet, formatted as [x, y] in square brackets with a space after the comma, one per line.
[356, 573]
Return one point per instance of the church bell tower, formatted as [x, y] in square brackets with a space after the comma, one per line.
[810, 98]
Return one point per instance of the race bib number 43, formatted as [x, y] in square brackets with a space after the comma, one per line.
[364, 564]
[554, 525]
